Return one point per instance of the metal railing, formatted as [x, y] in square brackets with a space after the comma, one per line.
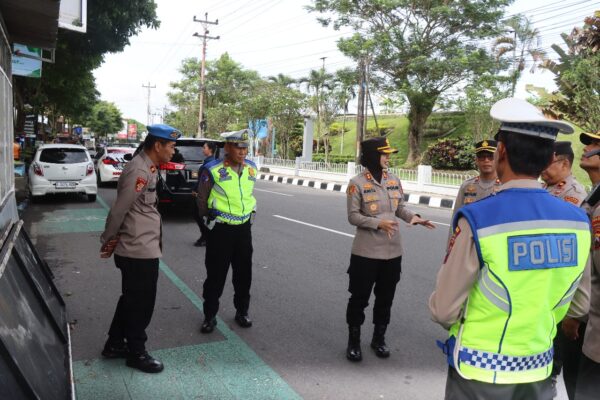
[440, 178]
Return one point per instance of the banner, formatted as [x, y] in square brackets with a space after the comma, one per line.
[26, 66]
[132, 131]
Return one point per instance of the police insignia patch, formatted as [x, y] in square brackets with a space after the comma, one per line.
[451, 243]
[152, 169]
[572, 200]
[140, 183]
[251, 172]
[223, 174]
[351, 190]
[373, 207]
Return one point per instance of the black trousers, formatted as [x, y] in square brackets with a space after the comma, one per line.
[200, 221]
[459, 388]
[567, 357]
[228, 245]
[136, 304]
[588, 380]
[365, 273]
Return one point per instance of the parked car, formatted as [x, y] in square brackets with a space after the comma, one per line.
[178, 178]
[110, 162]
[62, 168]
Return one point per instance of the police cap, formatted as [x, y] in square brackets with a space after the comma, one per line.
[163, 131]
[486, 145]
[238, 138]
[521, 117]
[377, 144]
[589, 137]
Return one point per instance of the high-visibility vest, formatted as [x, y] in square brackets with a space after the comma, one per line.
[532, 250]
[231, 199]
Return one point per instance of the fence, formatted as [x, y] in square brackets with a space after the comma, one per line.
[422, 179]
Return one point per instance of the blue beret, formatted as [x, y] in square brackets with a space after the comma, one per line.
[163, 131]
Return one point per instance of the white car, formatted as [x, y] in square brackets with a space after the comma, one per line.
[110, 162]
[62, 168]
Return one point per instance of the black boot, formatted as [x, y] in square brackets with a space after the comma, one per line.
[378, 342]
[353, 352]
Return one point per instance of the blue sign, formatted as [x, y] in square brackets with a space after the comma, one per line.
[531, 252]
[78, 130]
[27, 61]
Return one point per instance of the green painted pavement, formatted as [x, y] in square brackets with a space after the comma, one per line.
[72, 221]
[227, 369]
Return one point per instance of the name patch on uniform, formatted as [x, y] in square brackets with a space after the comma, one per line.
[531, 252]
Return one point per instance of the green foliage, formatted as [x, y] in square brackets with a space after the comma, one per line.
[455, 154]
[105, 118]
[67, 86]
[336, 128]
[335, 159]
[295, 147]
[424, 48]
[382, 130]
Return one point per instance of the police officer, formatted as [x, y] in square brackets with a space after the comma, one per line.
[209, 149]
[133, 232]
[226, 200]
[485, 183]
[587, 386]
[375, 202]
[517, 264]
[558, 178]
[560, 182]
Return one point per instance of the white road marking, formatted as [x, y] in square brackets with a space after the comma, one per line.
[314, 226]
[270, 191]
[440, 223]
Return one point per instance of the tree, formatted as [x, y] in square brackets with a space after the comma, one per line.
[423, 48]
[577, 76]
[67, 86]
[525, 46]
[286, 112]
[346, 81]
[105, 119]
[282, 79]
[317, 80]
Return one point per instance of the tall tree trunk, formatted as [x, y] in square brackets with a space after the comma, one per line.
[421, 106]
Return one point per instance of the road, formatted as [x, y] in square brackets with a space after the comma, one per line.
[296, 348]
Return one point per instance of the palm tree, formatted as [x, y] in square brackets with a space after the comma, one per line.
[317, 80]
[525, 45]
[282, 79]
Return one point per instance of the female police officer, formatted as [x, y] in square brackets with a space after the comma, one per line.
[375, 201]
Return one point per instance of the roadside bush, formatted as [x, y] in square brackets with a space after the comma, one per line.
[320, 157]
[384, 130]
[454, 154]
[439, 124]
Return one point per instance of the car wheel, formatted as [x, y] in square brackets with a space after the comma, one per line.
[91, 198]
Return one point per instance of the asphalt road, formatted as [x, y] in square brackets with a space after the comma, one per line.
[302, 244]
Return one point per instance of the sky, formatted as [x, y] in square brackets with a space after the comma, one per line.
[271, 37]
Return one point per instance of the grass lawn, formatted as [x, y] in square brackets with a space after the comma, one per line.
[399, 139]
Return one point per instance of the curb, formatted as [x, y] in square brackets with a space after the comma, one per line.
[412, 198]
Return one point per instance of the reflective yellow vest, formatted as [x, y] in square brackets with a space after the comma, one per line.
[532, 249]
[231, 200]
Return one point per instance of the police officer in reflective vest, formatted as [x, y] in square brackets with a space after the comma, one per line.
[133, 232]
[226, 200]
[513, 269]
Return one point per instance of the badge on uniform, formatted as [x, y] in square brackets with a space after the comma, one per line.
[351, 189]
[572, 200]
[373, 207]
[251, 174]
[152, 169]
[223, 174]
[140, 183]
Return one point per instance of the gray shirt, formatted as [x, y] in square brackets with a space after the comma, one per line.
[368, 203]
[134, 216]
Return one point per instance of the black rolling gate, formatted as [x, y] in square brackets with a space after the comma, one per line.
[35, 359]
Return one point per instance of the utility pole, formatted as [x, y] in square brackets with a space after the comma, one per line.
[148, 112]
[323, 59]
[360, 112]
[205, 22]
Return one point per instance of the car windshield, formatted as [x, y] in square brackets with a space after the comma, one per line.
[63, 156]
[188, 152]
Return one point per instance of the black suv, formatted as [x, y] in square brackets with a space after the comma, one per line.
[178, 178]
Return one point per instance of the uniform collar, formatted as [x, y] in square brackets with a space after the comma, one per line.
[521, 184]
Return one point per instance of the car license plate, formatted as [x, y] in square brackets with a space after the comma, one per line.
[65, 185]
[194, 174]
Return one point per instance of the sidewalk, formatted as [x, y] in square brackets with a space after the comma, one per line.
[412, 198]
